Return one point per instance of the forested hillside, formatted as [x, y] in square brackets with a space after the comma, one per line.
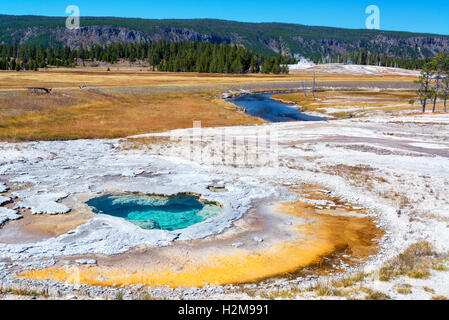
[318, 43]
[161, 55]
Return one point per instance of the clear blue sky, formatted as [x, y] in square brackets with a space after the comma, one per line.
[430, 16]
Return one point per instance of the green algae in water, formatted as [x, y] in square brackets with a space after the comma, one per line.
[155, 212]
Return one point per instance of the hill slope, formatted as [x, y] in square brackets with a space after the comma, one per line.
[268, 38]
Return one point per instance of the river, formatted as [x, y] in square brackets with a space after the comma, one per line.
[262, 106]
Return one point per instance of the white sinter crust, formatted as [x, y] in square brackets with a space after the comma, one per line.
[410, 161]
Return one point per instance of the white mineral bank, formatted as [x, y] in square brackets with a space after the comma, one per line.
[67, 170]
[4, 200]
[8, 214]
[3, 187]
[353, 69]
[412, 159]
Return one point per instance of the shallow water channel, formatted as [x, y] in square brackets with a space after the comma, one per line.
[262, 106]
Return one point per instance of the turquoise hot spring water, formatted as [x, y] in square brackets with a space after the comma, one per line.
[155, 212]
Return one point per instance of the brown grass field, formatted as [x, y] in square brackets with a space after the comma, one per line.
[386, 101]
[73, 78]
[127, 102]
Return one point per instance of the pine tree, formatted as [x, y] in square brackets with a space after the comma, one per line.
[424, 81]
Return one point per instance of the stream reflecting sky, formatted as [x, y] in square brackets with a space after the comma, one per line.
[262, 106]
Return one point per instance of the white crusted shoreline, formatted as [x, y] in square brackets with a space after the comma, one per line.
[414, 162]
[87, 168]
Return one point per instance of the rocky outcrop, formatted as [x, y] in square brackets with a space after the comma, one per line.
[109, 34]
[99, 35]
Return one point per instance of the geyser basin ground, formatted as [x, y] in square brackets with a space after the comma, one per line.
[385, 164]
[272, 240]
[155, 212]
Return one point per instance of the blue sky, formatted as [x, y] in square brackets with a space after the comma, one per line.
[430, 16]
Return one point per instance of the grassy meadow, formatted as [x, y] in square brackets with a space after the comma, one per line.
[346, 102]
[125, 102]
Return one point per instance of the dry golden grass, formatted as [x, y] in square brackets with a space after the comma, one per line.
[344, 287]
[350, 281]
[126, 102]
[327, 289]
[416, 261]
[119, 104]
[72, 78]
[428, 289]
[73, 114]
[23, 292]
[273, 295]
[404, 289]
[376, 295]
[439, 298]
[387, 101]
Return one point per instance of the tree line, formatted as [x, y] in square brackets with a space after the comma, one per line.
[434, 81]
[194, 56]
[365, 57]
[160, 55]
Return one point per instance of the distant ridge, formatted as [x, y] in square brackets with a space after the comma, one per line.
[267, 38]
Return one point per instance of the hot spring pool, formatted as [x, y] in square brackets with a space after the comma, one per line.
[155, 212]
